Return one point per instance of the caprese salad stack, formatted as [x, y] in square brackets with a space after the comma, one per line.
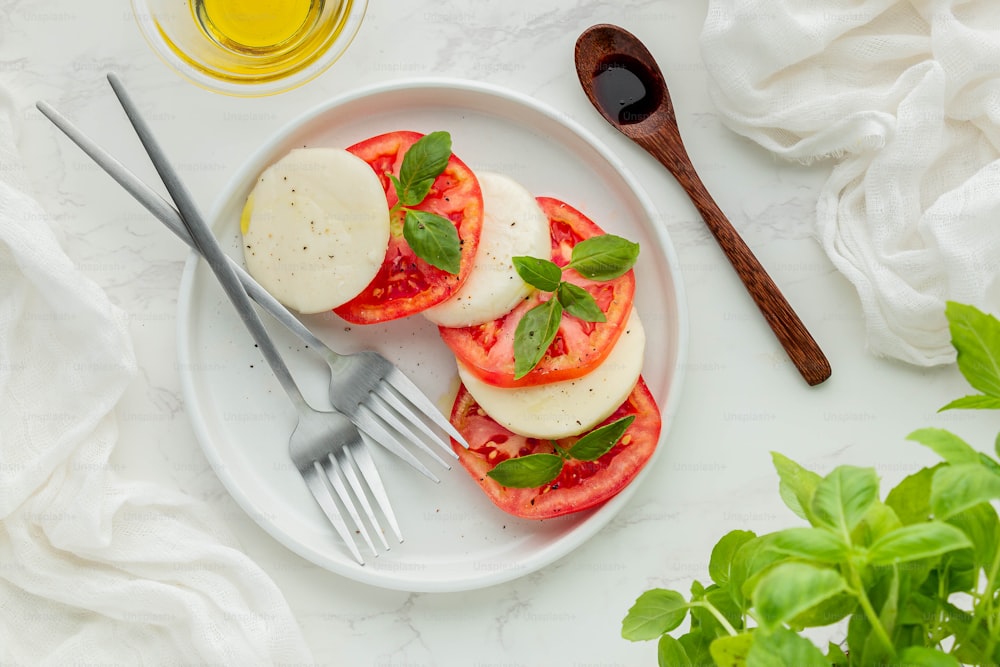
[532, 297]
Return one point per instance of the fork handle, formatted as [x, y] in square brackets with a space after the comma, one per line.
[201, 236]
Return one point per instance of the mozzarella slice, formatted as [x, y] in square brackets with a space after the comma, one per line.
[513, 224]
[561, 409]
[316, 228]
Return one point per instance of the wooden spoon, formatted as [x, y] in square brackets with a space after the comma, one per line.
[622, 80]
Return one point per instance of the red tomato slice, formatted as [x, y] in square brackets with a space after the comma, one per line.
[487, 350]
[406, 284]
[581, 484]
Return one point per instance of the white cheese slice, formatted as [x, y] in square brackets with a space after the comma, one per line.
[513, 225]
[316, 228]
[562, 409]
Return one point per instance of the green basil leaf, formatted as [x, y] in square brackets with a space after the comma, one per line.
[976, 337]
[782, 648]
[792, 588]
[797, 484]
[879, 520]
[955, 488]
[527, 472]
[911, 498]
[655, 612]
[720, 563]
[433, 239]
[750, 562]
[835, 656]
[920, 540]
[945, 444]
[422, 163]
[541, 273]
[817, 544]
[533, 335]
[696, 645]
[981, 525]
[579, 303]
[671, 653]
[921, 656]
[731, 649]
[720, 598]
[974, 402]
[843, 497]
[596, 444]
[603, 257]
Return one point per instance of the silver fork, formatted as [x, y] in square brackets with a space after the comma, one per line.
[322, 442]
[381, 400]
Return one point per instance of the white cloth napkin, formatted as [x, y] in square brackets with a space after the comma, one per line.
[905, 96]
[95, 569]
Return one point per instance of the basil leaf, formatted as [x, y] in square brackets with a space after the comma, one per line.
[911, 498]
[541, 273]
[981, 525]
[843, 497]
[533, 335]
[920, 540]
[955, 488]
[817, 544]
[835, 656]
[945, 444]
[797, 484]
[921, 656]
[792, 588]
[603, 257]
[731, 649]
[671, 653]
[784, 647]
[598, 442]
[879, 520]
[656, 611]
[720, 563]
[974, 402]
[527, 472]
[422, 163]
[433, 239]
[579, 303]
[697, 646]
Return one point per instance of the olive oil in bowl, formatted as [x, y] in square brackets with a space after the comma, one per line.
[249, 47]
[257, 26]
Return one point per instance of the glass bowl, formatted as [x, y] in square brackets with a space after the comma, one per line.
[249, 48]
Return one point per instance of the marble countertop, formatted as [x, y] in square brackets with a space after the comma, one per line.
[741, 397]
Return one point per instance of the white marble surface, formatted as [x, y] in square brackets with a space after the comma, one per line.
[741, 397]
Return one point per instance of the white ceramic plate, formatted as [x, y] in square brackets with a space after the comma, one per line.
[455, 539]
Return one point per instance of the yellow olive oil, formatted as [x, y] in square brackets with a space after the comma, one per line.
[257, 26]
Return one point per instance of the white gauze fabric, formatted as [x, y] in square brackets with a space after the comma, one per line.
[905, 96]
[95, 569]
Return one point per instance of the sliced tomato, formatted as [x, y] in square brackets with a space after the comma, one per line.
[581, 484]
[487, 350]
[406, 284]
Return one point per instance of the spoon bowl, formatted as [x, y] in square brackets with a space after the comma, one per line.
[622, 80]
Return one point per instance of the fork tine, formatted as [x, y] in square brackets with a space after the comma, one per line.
[322, 495]
[365, 420]
[334, 473]
[348, 468]
[386, 405]
[361, 458]
[404, 385]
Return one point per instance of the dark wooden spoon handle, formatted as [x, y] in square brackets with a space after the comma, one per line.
[802, 349]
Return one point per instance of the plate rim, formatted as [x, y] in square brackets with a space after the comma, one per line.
[550, 552]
